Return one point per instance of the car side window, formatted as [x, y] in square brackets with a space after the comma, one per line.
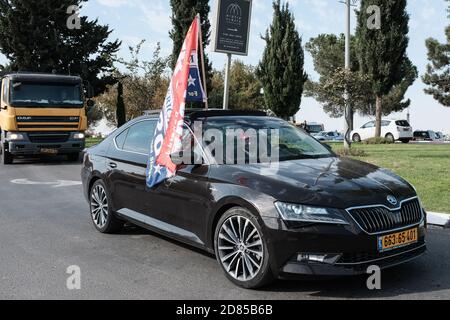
[120, 139]
[139, 137]
[385, 123]
[369, 125]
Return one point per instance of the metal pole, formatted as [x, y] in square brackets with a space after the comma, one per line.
[227, 82]
[348, 107]
[202, 58]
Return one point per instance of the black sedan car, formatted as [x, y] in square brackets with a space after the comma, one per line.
[308, 213]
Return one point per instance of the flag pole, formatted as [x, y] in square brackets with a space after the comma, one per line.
[202, 58]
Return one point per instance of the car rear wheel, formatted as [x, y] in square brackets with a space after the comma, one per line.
[241, 249]
[406, 140]
[390, 137]
[103, 218]
[356, 138]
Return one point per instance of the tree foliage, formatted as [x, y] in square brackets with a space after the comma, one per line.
[34, 37]
[144, 83]
[245, 89]
[437, 76]
[382, 52]
[327, 51]
[281, 68]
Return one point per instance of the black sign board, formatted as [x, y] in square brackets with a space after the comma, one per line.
[232, 26]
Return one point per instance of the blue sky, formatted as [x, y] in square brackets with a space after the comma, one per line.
[133, 20]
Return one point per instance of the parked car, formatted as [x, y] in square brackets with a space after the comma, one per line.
[439, 136]
[394, 130]
[329, 136]
[311, 127]
[309, 213]
[428, 135]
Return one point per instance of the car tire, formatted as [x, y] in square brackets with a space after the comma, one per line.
[104, 219]
[243, 255]
[406, 141]
[7, 158]
[356, 138]
[390, 137]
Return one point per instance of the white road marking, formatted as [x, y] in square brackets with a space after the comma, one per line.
[53, 184]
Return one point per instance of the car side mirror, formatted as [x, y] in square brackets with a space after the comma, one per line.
[90, 103]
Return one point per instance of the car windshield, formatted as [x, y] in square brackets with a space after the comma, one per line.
[46, 94]
[248, 136]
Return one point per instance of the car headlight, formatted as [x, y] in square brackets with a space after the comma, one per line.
[13, 136]
[301, 213]
[79, 136]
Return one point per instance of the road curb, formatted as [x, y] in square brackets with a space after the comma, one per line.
[438, 219]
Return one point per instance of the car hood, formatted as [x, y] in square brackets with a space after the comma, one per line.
[331, 182]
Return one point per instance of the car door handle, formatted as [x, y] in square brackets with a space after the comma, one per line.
[112, 165]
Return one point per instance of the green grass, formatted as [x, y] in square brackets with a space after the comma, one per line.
[427, 167]
[92, 141]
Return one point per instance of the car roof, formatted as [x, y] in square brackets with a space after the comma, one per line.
[199, 114]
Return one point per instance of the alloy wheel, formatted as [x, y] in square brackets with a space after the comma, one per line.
[99, 206]
[240, 248]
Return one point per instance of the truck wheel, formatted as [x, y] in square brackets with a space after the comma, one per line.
[7, 158]
[73, 157]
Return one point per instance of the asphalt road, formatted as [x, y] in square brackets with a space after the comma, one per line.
[45, 228]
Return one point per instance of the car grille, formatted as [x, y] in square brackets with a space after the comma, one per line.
[380, 219]
[49, 137]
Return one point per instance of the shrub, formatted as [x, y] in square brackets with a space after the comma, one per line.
[353, 152]
[377, 141]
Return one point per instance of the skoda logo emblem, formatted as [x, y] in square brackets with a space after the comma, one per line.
[392, 200]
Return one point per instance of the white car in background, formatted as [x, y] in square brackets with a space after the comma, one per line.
[394, 130]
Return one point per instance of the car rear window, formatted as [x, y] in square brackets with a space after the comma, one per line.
[139, 137]
[402, 123]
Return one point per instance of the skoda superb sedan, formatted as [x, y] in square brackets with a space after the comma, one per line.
[308, 213]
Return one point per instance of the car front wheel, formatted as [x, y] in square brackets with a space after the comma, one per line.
[102, 216]
[241, 249]
[356, 138]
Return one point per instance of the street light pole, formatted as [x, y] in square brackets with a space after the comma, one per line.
[226, 93]
[348, 106]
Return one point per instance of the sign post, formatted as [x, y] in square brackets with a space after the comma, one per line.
[231, 33]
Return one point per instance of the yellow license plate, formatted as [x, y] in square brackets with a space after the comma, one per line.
[399, 239]
[49, 151]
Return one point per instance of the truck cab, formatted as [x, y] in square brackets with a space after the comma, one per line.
[41, 114]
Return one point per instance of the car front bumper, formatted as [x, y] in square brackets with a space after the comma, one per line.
[353, 249]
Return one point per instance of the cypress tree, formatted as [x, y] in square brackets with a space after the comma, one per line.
[382, 52]
[437, 76]
[34, 37]
[183, 13]
[281, 68]
[120, 106]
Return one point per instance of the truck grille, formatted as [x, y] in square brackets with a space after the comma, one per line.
[54, 119]
[380, 219]
[49, 137]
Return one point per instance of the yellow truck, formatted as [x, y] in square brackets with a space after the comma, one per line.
[41, 114]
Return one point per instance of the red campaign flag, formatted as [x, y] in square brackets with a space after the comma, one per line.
[168, 133]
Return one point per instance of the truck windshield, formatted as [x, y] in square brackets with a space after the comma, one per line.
[46, 94]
